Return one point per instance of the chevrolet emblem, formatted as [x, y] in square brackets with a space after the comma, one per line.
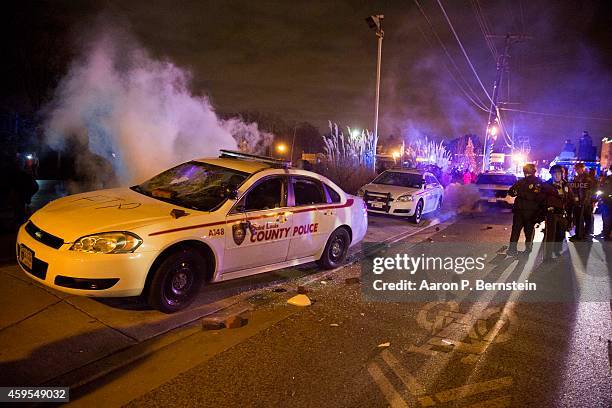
[38, 234]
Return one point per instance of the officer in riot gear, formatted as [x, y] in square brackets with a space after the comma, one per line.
[583, 188]
[605, 204]
[559, 200]
[527, 207]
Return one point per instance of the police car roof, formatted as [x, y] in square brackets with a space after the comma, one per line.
[409, 171]
[246, 166]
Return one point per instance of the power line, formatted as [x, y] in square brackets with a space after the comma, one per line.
[556, 115]
[463, 50]
[475, 96]
[484, 29]
[452, 75]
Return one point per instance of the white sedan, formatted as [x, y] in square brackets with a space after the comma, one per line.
[493, 187]
[403, 193]
[203, 221]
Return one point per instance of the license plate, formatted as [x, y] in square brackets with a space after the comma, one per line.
[25, 256]
[377, 204]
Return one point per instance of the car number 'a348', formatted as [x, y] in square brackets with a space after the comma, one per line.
[214, 232]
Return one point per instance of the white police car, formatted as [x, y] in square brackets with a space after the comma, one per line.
[206, 220]
[403, 193]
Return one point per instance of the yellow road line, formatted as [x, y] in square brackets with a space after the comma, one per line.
[391, 395]
[411, 383]
[471, 389]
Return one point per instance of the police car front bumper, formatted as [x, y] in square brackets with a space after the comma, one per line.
[83, 274]
[397, 208]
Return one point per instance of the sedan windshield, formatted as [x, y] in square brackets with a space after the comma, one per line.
[396, 178]
[195, 185]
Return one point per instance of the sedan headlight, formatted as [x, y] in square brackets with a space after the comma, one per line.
[405, 197]
[107, 243]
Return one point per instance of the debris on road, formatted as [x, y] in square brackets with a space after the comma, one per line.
[212, 324]
[334, 325]
[299, 300]
[351, 281]
[381, 345]
[236, 321]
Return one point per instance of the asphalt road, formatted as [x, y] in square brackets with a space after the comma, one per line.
[48, 337]
[342, 351]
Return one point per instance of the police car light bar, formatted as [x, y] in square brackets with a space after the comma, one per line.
[255, 157]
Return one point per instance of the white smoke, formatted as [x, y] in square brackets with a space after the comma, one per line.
[136, 112]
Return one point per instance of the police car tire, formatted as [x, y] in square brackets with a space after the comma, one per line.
[177, 280]
[414, 219]
[328, 260]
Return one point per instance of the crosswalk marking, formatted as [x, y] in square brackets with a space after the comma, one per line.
[472, 389]
[391, 395]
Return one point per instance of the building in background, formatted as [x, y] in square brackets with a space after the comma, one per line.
[606, 153]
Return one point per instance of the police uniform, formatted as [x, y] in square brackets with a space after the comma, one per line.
[559, 200]
[526, 209]
[606, 207]
[583, 188]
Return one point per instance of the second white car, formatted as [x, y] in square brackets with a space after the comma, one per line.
[403, 193]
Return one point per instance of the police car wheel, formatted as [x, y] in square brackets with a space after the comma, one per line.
[335, 250]
[418, 213]
[176, 281]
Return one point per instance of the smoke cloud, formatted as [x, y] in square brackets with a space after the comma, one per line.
[119, 106]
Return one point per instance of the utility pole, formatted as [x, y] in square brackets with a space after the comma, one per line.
[375, 22]
[492, 127]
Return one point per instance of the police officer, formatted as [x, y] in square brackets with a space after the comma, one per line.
[527, 207]
[583, 186]
[558, 203]
[606, 205]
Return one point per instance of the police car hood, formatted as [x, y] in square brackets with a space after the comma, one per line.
[119, 209]
[395, 191]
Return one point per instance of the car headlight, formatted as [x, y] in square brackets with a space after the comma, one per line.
[405, 197]
[107, 243]
[361, 192]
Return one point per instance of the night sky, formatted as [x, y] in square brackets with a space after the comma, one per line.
[315, 61]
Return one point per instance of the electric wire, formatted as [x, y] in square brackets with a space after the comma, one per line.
[474, 94]
[464, 52]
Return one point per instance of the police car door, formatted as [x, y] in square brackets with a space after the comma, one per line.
[312, 221]
[431, 193]
[259, 226]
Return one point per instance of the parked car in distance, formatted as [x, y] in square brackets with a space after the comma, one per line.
[493, 187]
[403, 193]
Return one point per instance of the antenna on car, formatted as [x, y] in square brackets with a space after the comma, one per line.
[232, 154]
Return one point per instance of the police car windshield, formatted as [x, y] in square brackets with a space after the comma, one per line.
[195, 185]
[396, 178]
[503, 179]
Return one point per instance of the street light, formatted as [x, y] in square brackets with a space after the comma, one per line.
[375, 23]
[281, 148]
[493, 130]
